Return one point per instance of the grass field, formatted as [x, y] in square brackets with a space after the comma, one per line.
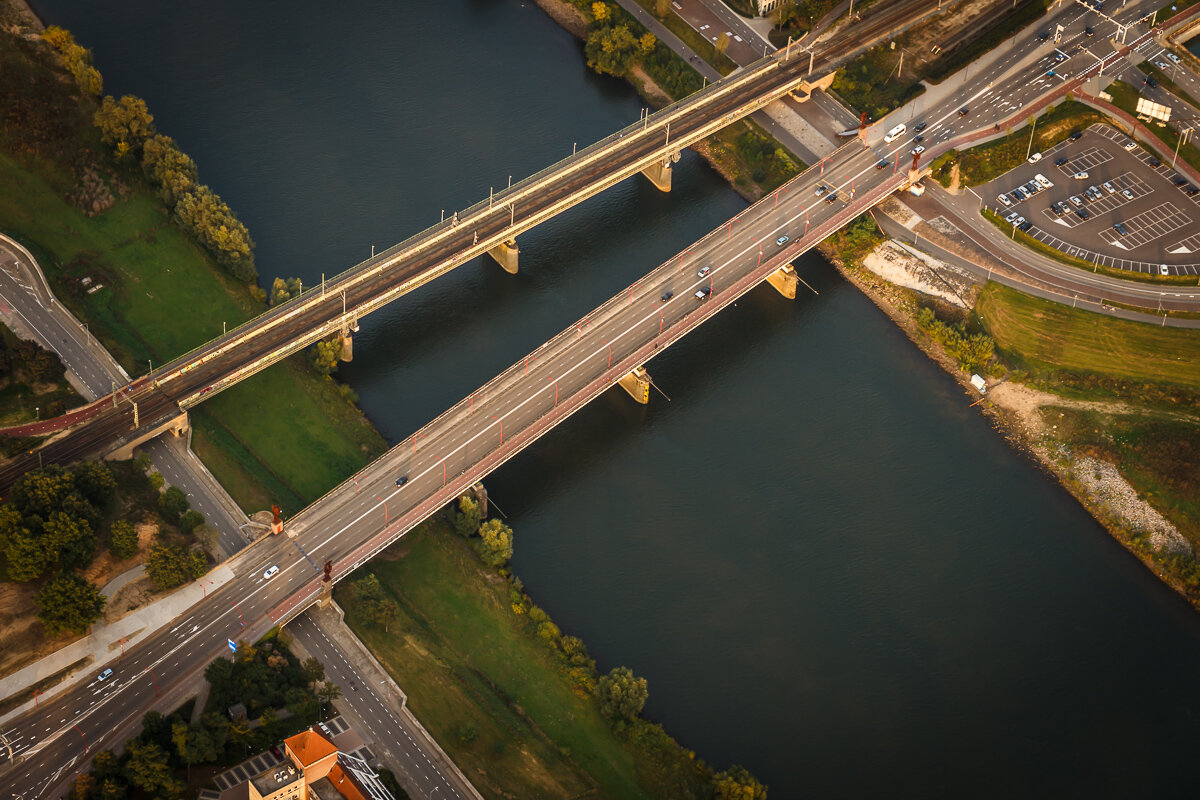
[1125, 98]
[1044, 336]
[491, 693]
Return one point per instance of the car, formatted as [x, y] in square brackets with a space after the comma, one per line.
[820, 190]
[782, 240]
[1083, 213]
[271, 572]
[920, 137]
[1128, 194]
[1059, 56]
[1076, 200]
[403, 479]
[1043, 181]
[103, 676]
[1051, 74]
[1119, 228]
[703, 293]
[1003, 198]
[1108, 187]
[1088, 31]
[667, 295]
[1179, 180]
[1043, 36]
[703, 271]
[1019, 193]
[1054, 207]
[1060, 162]
[1160, 64]
[881, 164]
[1131, 145]
[205, 390]
[962, 112]
[1093, 193]
[1036, 157]
[916, 151]
[1174, 58]
[1081, 175]
[831, 198]
[1191, 191]
[1032, 188]
[1019, 221]
[1012, 217]
[1151, 83]
[1154, 162]
[1162, 270]
[920, 126]
[1026, 225]
[1076, 136]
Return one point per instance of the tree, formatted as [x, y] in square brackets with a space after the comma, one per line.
[167, 166]
[68, 540]
[721, 44]
[736, 783]
[386, 614]
[42, 491]
[284, 289]
[122, 539]
[600, 12]
[213, 224]
[172, 503]
[147, 767]
[193, 743]
[313, 670]
[495, 545]
[621, 694]
[647, 43]
[95, 482]
[328, 692]
[467, 517]
[611, 50]
[69, 603]
[26, 556]
[191, 520]
[84, 786]
[127, 120]
[326, 354]
[169, 566]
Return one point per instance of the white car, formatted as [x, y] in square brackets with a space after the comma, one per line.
[1108, 187]
[1012, 217]
[916, 151]
[1130, 145]
[1080, 176]
[1043, 181]
[1036, 157]
[1174, 58]
[1162, 269]
[1128, 194]
[703, 271]
[1160, 64]
[103, 676]
[1003, 198]
[271, 572]
[782, 240]
[1076, 199]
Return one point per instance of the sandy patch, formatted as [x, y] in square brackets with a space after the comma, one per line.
[903, 266]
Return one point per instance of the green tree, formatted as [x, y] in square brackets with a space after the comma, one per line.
[284, 289]
[43, 491]
[147, 766]
[303, 703]
[68, 540]
[126, 121]
[172, 503]
[736, 783]
[327, 692]
[495, 545]
[193, 743]
[69, 603]
[326, 354]
[313, 670]
[386, 614]
[621, 694]
[647, 43]
[169, 566]
[190, 520]
[122, 539]
[611, 50]
[95, 481]
[167, 166]
[468, 516]
[26, 556]
[212, 223]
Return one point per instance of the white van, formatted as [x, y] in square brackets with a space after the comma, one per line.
[1043, 181]
[895, 133]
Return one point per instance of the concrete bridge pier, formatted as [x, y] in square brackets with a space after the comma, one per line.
[659, 172]
[506, 254]
[637, 383]
[785, 280]
[348, 341]
[479, 492]
[177, 425]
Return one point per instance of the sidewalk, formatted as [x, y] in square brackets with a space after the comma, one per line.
[103, 643]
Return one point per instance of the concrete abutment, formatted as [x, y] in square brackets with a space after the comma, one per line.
[177, 425]
[506, 254]
[785, 280]
[637, 383]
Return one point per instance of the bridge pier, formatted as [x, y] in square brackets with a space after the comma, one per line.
[347, 353]
[479, 492]
[637, 383]
[785, 280]
[177, 425]
[660, 175]
[506, 254]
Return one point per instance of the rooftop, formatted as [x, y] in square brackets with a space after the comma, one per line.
[275, 778]
[309, 747]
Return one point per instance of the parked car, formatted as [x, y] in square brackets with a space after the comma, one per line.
[1128, 194]
[1131, 145]
[1036, 157]
[1026, 225]
[1060, 162]
[1162, 270]
[1083, 212]
[1076, 200]
[1003, 198]
[1076, 136]
[1154, 162]
[1081, 175]
[1043, 181]
[1108, 187]
[1018, 193]
[1119, 228]
[1191, 191]
[1179, 180]
[1012, 217]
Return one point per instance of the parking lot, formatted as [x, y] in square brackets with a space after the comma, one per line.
[1128, 212]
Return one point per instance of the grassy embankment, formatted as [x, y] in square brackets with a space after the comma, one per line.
[1143, 384]
[1164, 79]
[1125, 98]
[283, 436]
[497, 697]
[24, 400]
[691, 37]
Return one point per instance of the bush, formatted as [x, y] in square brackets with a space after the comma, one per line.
[169, 566]
[172, 503]
[122, 539]
[191, 520]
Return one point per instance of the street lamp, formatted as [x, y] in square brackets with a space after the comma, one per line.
[1184, 134]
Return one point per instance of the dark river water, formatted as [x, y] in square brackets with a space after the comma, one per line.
[827, 566]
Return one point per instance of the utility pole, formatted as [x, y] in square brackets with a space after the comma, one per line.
[1032, 128]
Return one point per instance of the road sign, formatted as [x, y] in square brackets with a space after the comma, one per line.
[232, 644]
[1153, 110]
[1058, 32]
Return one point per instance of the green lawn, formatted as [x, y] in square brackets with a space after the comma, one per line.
[1045, 336]
[1125, 98]
[491, 693]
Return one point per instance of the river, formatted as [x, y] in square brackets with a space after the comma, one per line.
[829, 568]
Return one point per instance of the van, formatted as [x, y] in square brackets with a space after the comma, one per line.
[895, 133]
[1043, 181]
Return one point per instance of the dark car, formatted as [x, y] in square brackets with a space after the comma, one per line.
[1191, 191]
[1151, 82]
[920, 137]
[962, 112]
[1119, 228]
[830, 198]
[1076, 136]
[403, 479]
[1179, 180]
[882, 165]
[920, 126]
[667, 296]
[1060, 162]
[1154, 162]
[1026, 225]
[1043, 36]
[1083, 212]
[1088, 30]
[703, 293]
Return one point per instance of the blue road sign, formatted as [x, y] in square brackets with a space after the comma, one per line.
[232, 645]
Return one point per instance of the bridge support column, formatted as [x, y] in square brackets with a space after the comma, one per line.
[785, 280]
[481, 497]
[506, 254]
[348, 341]
[659, 174]
[325, 596]
[177, 425]
[637, 383]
